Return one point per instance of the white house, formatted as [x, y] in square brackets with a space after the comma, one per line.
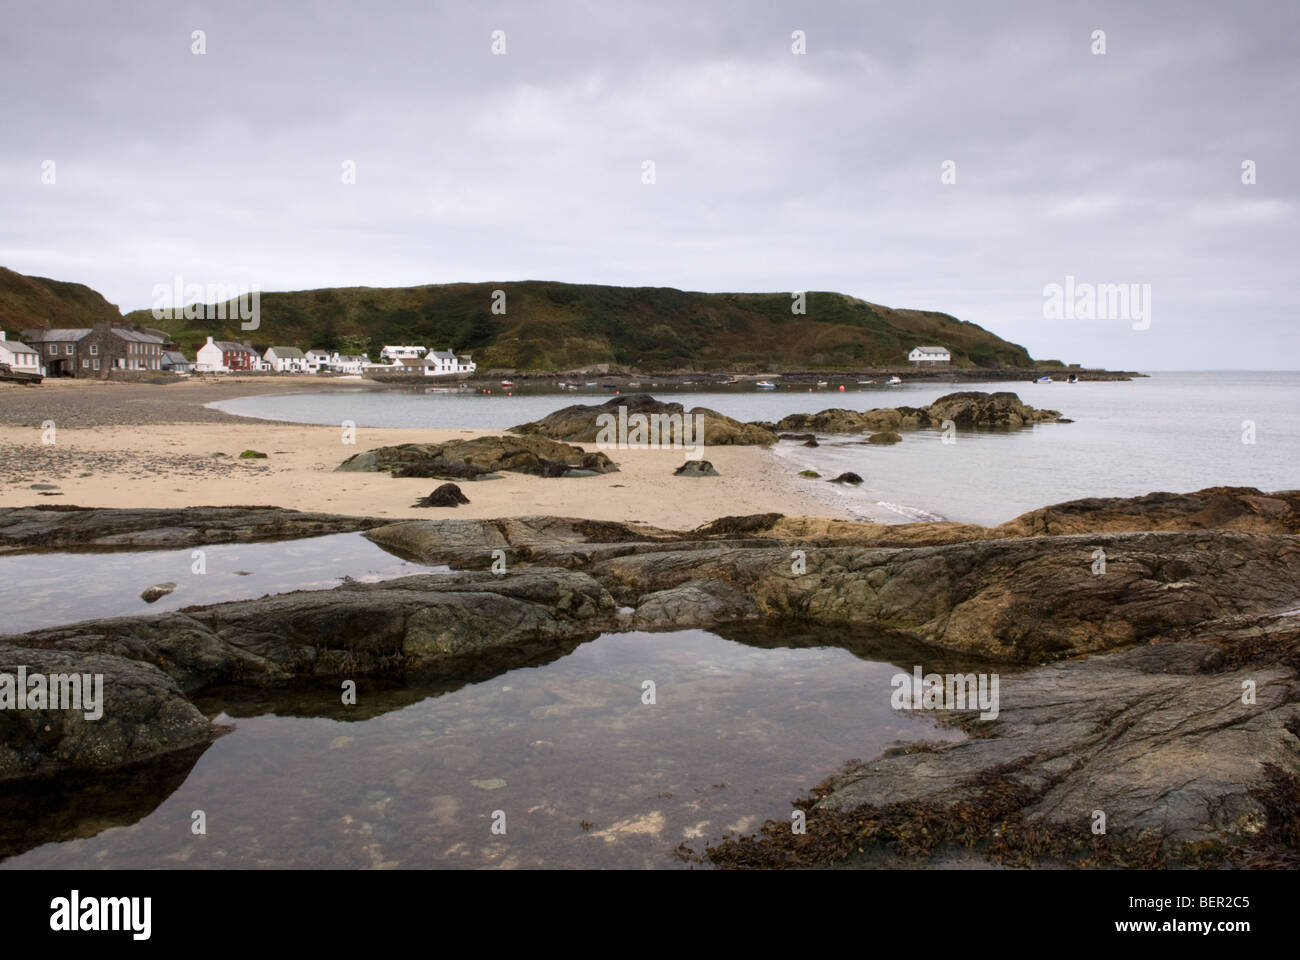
[285, 359]
[444, 361]
[20, 357]
[348, 363]
[394, 354]
[921, 355]
[224, 356]
[317, 360]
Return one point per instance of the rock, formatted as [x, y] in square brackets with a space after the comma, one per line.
[429, 625]
[811, 443]
[157, 592]
[810, 474]
[1154, 736]
[43, 486]
[1245, 509]
[51, 525]
[483, 456]
[849, 477]
[697, 603]
[797, 436]
[144, 715]
[580, 423]
[447, 495]
[252, 455]
[885, 436]
[696, 468]
[974, 409]
[965, 409]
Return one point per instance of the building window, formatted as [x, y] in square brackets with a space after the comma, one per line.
[68, 349]
[54, 349]
[96, 364]
[94, 349]
[85, 364]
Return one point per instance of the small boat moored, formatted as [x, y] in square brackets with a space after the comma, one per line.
[894, 382]
[765, 385]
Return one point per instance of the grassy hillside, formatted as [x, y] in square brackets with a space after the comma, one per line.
[30, 301]
[560, 326]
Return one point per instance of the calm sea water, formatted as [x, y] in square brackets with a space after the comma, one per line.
[1172, 431]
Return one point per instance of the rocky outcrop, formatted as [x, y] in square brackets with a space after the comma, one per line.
[1124, 656]
[968, 408]
[580, 423]
[481, 458]
[142, 713]
[1157, 738]
[446, 495]
[884, 437]
[44, 527]
[425, 625]
[1243, 509]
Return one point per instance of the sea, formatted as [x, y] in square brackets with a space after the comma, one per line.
[1176, 431]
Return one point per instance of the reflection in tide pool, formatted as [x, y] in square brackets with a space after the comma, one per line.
[586, 774]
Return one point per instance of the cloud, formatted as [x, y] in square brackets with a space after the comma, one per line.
[773, 171]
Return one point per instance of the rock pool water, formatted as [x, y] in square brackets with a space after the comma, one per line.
[585, 773]
[49, 589]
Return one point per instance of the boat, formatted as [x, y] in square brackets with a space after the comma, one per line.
[894, 382]
[765, 385]
[609, 386]
[507, 383]
[867, 383]
[823, 383]
[1074, 378]
[1043, 380]
[592, 383]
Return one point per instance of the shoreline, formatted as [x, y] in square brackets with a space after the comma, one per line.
[172, 466]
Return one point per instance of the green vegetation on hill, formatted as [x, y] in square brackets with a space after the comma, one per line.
[30, 301]
[553, 326]
[562, 326]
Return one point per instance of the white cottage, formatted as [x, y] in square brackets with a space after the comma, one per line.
[394, 354]
[20, 357]
[285, 359]
[920, 355]
[442, 362]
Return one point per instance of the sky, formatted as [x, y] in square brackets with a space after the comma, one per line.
[955, 156]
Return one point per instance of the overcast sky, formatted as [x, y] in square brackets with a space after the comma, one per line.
[773, 171]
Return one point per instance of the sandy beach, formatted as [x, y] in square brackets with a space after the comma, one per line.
[144, 445]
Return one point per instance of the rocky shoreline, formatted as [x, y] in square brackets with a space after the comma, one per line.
[1127, 693]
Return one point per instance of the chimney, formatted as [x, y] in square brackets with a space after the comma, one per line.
[209, 340]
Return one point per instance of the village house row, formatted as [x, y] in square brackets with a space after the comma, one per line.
[105, 348]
